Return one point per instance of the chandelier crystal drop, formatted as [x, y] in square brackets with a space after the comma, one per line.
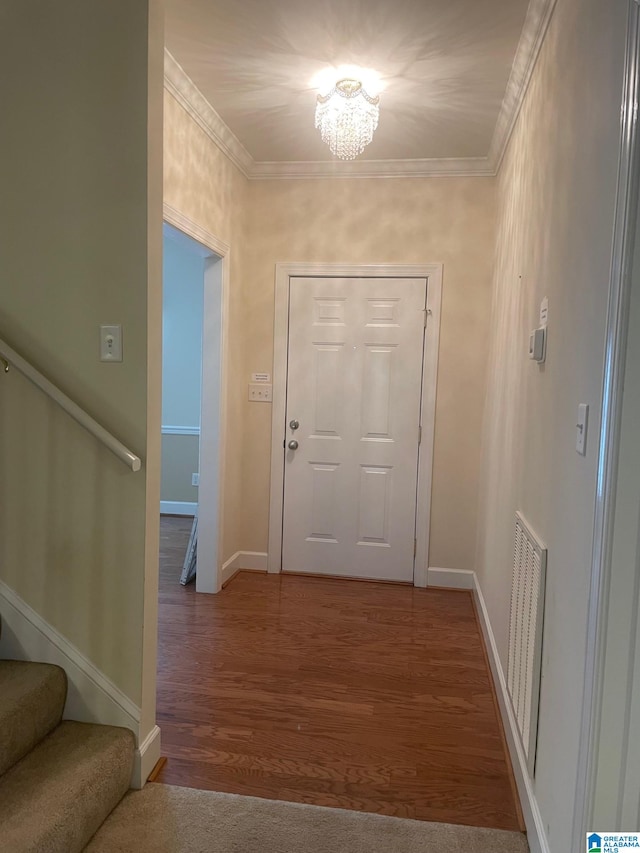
[347, 118]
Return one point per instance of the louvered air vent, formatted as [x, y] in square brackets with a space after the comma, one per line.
[525, 633]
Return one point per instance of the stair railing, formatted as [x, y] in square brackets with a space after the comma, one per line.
[9, 357]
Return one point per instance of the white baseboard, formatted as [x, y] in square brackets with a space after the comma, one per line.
[146, 757]
[450, 578]
[252, 561]
[178, 508]
[536, 835]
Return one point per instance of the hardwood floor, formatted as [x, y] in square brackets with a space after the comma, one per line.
[362, 696]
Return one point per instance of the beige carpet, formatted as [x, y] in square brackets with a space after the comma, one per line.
[166, 819]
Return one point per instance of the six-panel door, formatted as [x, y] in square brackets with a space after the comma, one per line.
[354, 385]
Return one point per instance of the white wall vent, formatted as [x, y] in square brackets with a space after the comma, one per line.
[525, 633]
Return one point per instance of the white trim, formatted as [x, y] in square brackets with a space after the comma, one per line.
[191, 99]
[178, 508]
[173, 235]
[92, 697]
[284, 272]
[145, 758]
[211, 465]
[211, 503]
[11, 358]
[248, 561]
[174, 217]
[450, 578]
[180, 430]
[536, 836]
[536, 23]
[532, 38]
[430, 355]
[451, 167]
[626, 203]
[421, 576]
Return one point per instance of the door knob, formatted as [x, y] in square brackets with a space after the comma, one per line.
[294, 424]
[293, 444]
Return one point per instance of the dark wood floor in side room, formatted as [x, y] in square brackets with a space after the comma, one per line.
[355, 695]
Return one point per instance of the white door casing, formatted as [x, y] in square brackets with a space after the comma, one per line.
[350, 496]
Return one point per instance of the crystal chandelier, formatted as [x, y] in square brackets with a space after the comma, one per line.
[347, 118]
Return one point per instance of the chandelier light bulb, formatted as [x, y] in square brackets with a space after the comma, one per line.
[347, 118]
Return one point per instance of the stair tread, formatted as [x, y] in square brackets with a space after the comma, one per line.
[57, 796]
[32, 697]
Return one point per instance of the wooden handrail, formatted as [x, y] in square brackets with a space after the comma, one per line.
[10, 357]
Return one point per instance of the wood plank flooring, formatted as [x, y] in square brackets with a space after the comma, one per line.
[361, 696]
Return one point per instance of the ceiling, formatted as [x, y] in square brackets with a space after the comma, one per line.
[444, 67]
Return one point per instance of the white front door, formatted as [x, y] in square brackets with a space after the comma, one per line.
[354, 382]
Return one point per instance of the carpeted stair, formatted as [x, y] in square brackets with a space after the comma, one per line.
[58, 780]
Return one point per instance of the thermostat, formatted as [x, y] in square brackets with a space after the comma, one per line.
[537, 344]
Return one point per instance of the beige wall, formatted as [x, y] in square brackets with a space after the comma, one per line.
[180, 459]
[76, 173]
[201, 183]
[448, 220]
[556, 197]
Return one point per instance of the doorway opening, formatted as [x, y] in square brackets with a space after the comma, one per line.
[182, 316]
[194, 339]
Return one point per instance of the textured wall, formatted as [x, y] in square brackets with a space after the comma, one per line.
[556, 196]
[448, 220]
[75, 172]
[203, 185]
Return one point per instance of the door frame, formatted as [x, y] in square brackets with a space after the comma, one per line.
[284, 273]
[215, 344]
[620, 284]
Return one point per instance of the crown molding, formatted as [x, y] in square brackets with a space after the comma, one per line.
[532, 37]
[537, 19]
[190, 98]
[444, 167]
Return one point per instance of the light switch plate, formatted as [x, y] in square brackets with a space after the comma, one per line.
[111, 343]
[260, 392]
[581, 429]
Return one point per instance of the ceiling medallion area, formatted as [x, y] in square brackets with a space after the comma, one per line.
[347, 118]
